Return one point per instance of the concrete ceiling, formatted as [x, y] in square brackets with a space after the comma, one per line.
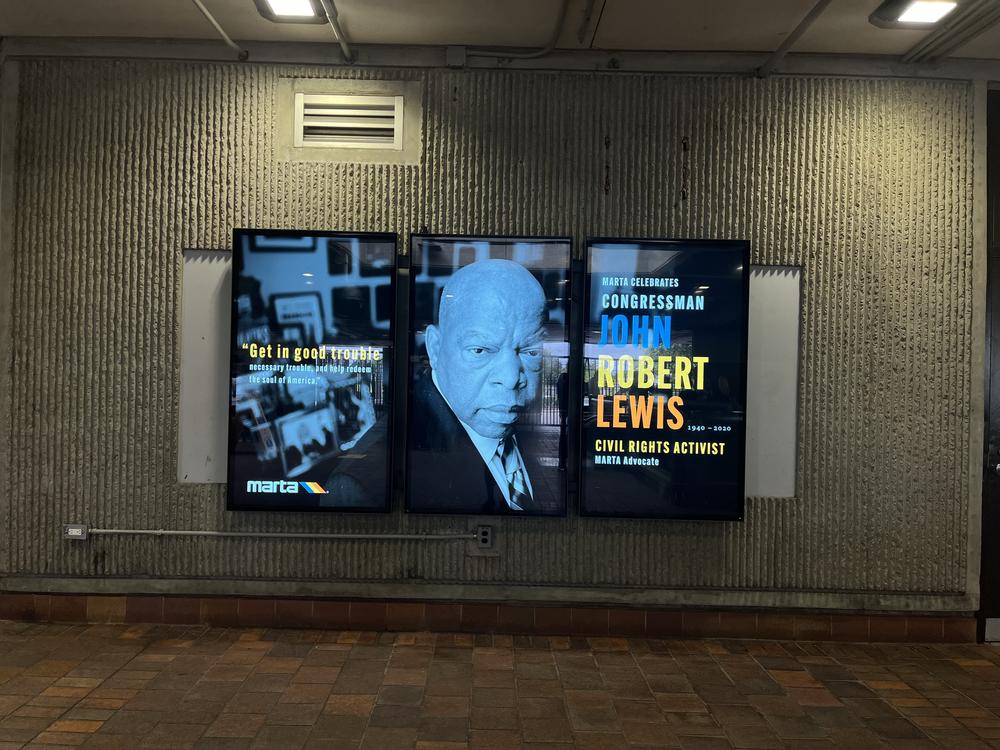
[674, 25]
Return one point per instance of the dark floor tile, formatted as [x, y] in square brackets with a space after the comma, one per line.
[895, 729]
[796, 727]
[281, 738]
[381, 738]
[754, 737]
[395, 717]
[329, 727]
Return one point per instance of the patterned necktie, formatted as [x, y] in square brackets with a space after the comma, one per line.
[516, 484]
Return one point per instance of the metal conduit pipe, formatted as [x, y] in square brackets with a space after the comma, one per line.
[588, 13]
[446, 537]
[333, 18]
[241, 54]
[527, 54]
[779, 54]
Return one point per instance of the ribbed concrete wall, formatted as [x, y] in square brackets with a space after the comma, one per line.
[867, 184]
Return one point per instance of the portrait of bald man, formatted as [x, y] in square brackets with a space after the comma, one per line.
[470, 450]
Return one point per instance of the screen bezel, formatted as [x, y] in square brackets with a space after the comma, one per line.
[237, 264]
[416, 238]
[705, 245]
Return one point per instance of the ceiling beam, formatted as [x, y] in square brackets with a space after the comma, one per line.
[695, 63]
[786, 46]
[590, 23]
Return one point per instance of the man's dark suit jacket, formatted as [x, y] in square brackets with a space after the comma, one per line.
[360, 477]
[447, 474]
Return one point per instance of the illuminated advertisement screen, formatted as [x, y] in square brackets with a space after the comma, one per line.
[311, 359]
[488, 375]
[664, 391]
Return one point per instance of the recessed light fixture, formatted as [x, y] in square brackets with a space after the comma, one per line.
[291, 7]
[927, 11]
[291, 11]
[911, 14]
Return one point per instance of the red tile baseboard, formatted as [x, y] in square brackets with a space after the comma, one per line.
[481, 617]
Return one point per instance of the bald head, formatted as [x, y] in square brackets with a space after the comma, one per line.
[486, 349]
[509, 282]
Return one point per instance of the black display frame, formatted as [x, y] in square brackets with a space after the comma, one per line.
[393, 237]
[573, 426]
[584, 309]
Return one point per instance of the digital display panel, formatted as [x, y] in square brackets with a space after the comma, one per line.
[664, 391]
[311, 363]
[488, 375]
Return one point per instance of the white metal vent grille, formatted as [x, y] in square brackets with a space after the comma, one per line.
[349, 121]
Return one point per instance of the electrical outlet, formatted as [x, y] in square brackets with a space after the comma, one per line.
[482, 541]
[484, 537]
[75, 531]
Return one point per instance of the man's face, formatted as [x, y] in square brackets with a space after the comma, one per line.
[487, 355]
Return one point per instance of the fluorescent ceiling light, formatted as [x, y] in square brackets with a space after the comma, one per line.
[291, 11]
[926, 11]
[911, 14]
[292, 8]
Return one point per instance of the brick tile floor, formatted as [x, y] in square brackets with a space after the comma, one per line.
[174, 687]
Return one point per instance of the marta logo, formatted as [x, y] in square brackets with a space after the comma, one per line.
[284, 488]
